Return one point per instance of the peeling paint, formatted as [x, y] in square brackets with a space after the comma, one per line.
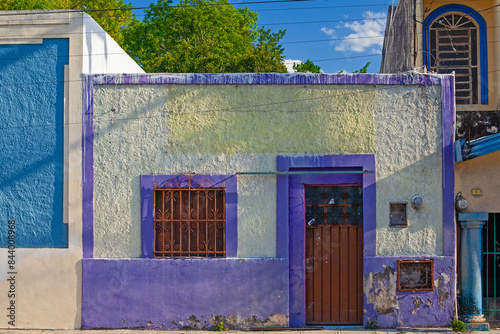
[380, 290]
[441, 284]
[433, 308]
[194, 321]
[417, 301]
[234, 322]
[468, 306]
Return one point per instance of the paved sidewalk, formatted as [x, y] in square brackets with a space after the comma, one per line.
[325, 331]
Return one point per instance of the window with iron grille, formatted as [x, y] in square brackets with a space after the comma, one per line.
[189, 222]
[415, 275]
[334, 205]
[454, 47]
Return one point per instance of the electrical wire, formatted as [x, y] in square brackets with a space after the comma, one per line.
[232, 109]
[286, 42]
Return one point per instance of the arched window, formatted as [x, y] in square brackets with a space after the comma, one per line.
[455, 41]
[453, 47]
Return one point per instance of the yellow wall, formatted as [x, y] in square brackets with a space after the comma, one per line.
[480, 173]
[318, 118]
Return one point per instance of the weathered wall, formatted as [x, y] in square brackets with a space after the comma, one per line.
[202, 126]
[226, 129]
[409, 163]
[397, 52]
[392, 308]
[479, 173]
[214, 129]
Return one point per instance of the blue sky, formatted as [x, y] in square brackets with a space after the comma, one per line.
[336, 35]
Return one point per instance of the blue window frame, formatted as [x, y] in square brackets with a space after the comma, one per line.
[469, 13]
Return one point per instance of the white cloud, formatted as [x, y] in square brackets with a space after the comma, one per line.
[363, 35]
[289, 64]
[328, 31]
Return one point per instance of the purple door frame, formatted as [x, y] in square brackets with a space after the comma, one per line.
[290, 227]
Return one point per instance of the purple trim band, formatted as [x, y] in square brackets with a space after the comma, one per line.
[88, 168]
[180, 181]
[448, 119]
[266, 79]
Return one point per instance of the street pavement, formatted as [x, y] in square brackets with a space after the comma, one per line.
[287, 331]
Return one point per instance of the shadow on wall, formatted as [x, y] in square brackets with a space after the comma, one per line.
[31, 174]
[424, 233]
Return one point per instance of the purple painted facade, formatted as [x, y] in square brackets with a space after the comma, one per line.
[408, 309]
[177, 293]
[183, 293]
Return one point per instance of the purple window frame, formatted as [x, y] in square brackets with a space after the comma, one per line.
[181, 181]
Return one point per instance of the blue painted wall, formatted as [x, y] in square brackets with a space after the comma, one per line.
[32, 143]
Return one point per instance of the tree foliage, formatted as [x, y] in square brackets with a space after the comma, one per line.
[203, 36]
[308, 67]
[194, 36]
[363, 69]
[112, 21]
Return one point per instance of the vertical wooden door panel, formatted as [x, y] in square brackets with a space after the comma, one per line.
[359, 283]
[335, 279]
[309, 273]
[334, 263]
[352, 262]
[344, 274]
[317, 279]
[327, 263]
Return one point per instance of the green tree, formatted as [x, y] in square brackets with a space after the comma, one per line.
[363, 69]
[203, 36]
[112, 21]
[308, 67]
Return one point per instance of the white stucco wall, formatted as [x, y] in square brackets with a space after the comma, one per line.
[175, 129]
[409, 147]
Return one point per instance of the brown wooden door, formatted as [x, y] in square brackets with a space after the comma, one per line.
[334, 254]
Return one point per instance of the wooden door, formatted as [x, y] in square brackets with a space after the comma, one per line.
[334, 254]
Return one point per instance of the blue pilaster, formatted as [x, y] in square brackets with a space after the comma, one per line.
[470, 251]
